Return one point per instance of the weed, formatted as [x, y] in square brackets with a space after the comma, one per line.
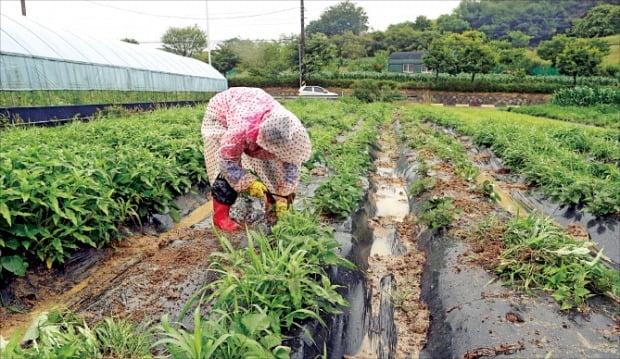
[539, 255]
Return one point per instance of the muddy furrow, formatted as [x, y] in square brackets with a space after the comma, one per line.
[398, 317]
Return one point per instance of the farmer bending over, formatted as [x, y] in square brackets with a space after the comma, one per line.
[246, 128]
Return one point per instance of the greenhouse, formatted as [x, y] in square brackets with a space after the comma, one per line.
[36, 57]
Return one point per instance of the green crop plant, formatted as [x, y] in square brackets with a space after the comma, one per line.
[599, 115]
[76, 184]
[244, 335]
[421, 185]
[487, 189]
[538, 255]
[278, 277]
[61, 334]
[567, 162]
[438, 212]
[339, 195]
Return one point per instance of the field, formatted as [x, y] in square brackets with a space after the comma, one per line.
[417, 231]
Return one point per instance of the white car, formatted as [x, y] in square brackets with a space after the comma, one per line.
[315, 91]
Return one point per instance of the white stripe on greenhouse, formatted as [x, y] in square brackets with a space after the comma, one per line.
[36, 57]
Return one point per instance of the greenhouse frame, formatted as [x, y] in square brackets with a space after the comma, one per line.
[36, 57]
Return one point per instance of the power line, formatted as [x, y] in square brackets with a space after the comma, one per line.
[191, 17]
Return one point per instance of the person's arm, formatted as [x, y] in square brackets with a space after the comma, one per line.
[290, 180]
[232, 145]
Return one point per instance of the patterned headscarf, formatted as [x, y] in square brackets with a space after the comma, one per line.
[282, 134]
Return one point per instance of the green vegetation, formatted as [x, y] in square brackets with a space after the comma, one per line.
[63, 335]
[539, 255]
[599, 115]
[614, 51]
[348, 159]
[420, 136]
[568, 162]
[586, 96]
[438, 212]
[75, 184]
[58, 97]
[262, 292]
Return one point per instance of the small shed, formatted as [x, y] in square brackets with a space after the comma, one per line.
[407, 62]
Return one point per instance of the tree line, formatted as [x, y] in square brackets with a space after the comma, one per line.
[479, 36]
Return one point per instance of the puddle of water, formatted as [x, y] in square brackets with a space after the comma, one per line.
[391, 202]
[506, 200]
[386, 172]
[383, 242]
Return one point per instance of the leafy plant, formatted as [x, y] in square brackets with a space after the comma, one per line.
[487, 189]
[339, 196]
[422, 185]
[438, 212]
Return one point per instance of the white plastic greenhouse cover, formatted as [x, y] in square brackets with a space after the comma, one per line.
[35, 57]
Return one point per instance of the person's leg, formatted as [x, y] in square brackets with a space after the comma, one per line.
[223, 197]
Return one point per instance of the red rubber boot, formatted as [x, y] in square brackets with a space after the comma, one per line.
[221, 217]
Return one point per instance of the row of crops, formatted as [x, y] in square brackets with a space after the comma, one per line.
[536, 253]
[75, 97]
[570, 163]
[73, 186]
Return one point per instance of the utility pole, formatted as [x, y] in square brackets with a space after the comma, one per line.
[23, 7]
[208, 31]
[302, 50]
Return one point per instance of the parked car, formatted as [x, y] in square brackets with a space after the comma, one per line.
[315, 91]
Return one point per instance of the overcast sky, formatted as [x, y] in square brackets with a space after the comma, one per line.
[146, 21]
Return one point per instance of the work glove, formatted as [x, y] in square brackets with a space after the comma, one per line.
[281, 206]
[257, 189]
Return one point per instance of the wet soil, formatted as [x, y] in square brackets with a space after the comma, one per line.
[394, 264]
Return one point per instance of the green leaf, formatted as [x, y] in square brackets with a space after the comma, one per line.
[4, 211]
[14, 264]
[255, 322]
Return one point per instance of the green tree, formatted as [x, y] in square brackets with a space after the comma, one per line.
[224, 57]
[380, 61]
[320, 52]
[398, 37]
[518, 38]
[340, 18]
[452, 23]
[441, 58]
[600, 20]
[541, 19]
[350, 46]
[513, 60]
[473, 54]
[422, 23]
[130, 40]
[550, 49]
[185, 41]
[579, 58]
